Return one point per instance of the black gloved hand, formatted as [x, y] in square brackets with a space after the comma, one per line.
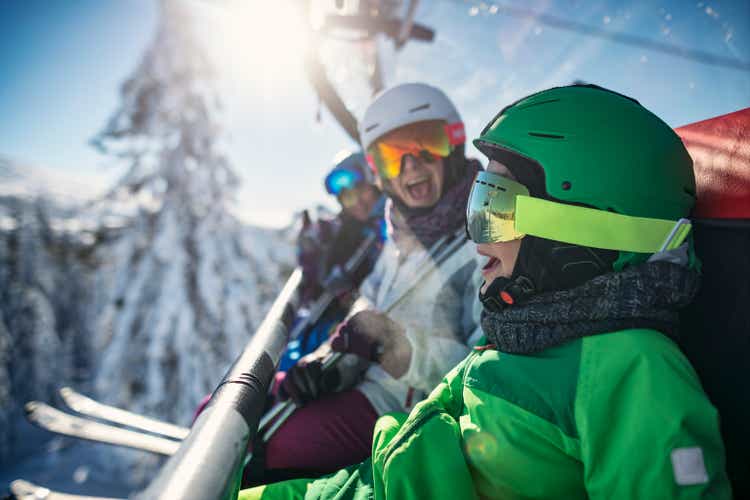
[307, 381]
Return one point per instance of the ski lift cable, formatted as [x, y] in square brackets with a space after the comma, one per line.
[618, 37]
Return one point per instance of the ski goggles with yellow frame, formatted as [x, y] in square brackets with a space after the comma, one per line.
[427, 139]
[500, 209]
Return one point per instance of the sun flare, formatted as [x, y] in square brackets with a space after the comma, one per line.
[261, 40]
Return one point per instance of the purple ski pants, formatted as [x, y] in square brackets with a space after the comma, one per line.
[325, 435]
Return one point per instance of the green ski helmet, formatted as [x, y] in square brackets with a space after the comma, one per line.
[586, 145]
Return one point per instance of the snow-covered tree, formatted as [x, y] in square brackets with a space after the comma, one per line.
[44, 294]
[187, 291]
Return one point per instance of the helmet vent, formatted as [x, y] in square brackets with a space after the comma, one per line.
[546, 136]
[420, 108]
[372, 127]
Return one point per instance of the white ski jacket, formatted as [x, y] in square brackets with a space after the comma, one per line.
[440, 315]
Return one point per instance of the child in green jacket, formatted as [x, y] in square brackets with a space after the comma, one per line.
[580, 390]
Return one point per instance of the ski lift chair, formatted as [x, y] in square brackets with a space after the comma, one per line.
[715, 331]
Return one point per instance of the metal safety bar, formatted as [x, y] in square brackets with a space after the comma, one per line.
[209, 462]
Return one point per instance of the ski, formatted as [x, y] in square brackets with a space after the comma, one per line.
[59, 422]
[24, 490]
[89, 407]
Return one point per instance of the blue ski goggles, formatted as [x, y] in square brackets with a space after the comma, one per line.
[341, 179]
[500, 209]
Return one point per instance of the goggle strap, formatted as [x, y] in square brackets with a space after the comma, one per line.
[677, 235]
[597, 228]
[371, 164]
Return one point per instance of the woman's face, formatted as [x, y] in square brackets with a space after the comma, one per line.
[501, 256]
[420, 183]
[364, 196]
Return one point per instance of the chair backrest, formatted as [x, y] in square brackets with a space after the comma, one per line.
[716, 328]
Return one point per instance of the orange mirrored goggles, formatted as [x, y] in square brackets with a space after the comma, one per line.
[427, 139]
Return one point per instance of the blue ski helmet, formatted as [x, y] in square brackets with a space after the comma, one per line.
[350, 170]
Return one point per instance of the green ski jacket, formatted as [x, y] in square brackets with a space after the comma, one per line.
[610, 416]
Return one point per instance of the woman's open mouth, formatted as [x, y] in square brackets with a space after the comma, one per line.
[420, 189]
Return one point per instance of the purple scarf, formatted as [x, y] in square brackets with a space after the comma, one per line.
[411, 228]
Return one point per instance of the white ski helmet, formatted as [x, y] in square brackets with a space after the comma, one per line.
[405, 104]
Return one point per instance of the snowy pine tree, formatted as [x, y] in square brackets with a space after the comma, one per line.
[45, 288]
[186, 289]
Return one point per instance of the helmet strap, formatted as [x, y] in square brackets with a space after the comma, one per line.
[543, 266]
[504, 292]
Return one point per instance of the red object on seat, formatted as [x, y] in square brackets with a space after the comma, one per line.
[720, 148]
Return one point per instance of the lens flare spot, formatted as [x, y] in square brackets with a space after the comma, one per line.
[481, 447]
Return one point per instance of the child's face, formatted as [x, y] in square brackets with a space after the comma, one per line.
[502, 256]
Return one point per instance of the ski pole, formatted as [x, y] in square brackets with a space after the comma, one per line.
[317, 310]
[286, 408]
[322, 303]
[270, 415]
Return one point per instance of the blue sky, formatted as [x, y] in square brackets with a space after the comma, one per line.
[62, 63]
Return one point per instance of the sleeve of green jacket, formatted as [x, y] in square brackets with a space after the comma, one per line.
[422, 457]
[647, 429]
